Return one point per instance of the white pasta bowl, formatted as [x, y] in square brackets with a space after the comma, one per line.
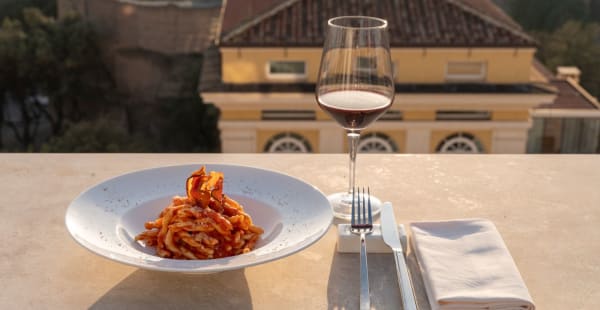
[106, 218]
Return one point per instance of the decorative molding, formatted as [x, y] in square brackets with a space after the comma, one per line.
[565, 113]
[207, 4]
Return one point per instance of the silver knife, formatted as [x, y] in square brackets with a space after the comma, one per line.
[389, 229]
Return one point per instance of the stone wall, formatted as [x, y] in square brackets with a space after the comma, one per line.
[150, 47]
[143, 41]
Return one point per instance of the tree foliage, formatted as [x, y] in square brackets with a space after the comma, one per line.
[568, 32]
[50, 72]
[102, 136]
[574, 44]
[549, 15]
[189, 125]
[56, 91]
[14, 8]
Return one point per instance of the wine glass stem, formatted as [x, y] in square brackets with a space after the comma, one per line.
[353, 138]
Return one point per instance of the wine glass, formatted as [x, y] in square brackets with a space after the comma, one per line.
[355, 86]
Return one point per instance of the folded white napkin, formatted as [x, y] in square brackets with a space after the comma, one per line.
[466, 265]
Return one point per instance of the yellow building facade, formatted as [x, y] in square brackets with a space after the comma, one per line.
[450, 96]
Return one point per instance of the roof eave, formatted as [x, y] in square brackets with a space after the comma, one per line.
[432, 45]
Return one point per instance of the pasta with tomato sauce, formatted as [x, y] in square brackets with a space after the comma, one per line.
[205, 224]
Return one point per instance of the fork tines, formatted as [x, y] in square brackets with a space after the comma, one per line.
[361, 217]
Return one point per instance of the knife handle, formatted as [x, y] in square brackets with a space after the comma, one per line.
[365, 296]
[409, 301]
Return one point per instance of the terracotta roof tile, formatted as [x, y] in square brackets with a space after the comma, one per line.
[570, 96]
[236, 12]
[487, 7]
[411, 23]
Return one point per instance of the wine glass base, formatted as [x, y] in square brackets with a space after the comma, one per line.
[341, 204]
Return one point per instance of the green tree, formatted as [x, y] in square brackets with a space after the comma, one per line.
[189, 125]
[186, 123]
[548, 15]
[14, 8]
[100, 136]
[594, 11]
[20, 114]
[76, 79]
[41, 58]
[574, 44]
[567, 31]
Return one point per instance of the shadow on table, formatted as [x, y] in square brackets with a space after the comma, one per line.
[162, 290]
[343, 289]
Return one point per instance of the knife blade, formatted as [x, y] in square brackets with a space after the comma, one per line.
[389, 230]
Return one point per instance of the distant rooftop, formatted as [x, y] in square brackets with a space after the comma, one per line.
[570, 95]
[412, 23]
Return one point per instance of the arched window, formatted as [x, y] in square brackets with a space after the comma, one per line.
[376, 142]
[288, 142]
[460, 143]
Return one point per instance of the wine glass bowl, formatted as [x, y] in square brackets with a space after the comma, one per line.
[355, 85]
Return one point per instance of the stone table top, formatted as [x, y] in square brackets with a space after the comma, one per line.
[546, 207]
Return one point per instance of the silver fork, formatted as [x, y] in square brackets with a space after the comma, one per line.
[362, 225]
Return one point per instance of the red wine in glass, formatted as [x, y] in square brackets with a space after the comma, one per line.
[355, 87]
[354, 109]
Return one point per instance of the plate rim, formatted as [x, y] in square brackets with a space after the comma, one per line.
[123, 259]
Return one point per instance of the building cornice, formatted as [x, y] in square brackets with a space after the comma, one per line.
[255, 100]
[566, 113]
[381, 125]
[177, 3]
